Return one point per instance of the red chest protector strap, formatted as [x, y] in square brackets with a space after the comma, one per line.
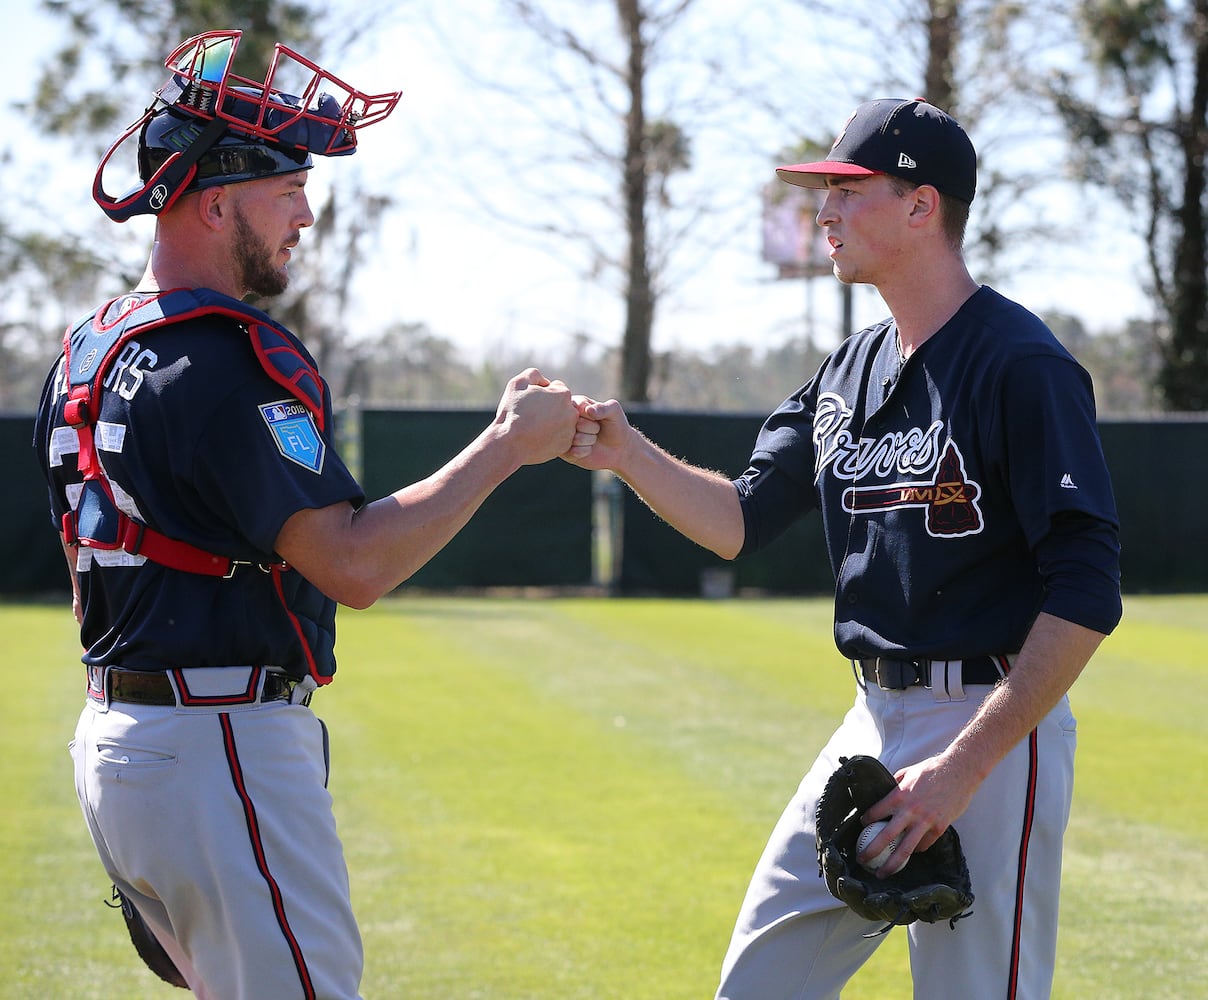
[89, 350]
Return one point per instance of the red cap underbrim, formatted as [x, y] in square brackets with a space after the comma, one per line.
[813, 175]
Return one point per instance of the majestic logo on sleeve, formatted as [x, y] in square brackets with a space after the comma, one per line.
[927, 471]
[294, 430]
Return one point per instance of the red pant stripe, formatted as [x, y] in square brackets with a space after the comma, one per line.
[1025, 837]
[253, 829]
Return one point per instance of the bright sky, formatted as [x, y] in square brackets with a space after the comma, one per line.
[444, 262]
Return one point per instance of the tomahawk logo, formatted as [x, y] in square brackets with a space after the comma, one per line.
[949, 499]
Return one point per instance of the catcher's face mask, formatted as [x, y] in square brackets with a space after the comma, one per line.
[208, 126]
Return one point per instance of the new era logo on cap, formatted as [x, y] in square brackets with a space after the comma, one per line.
[908, 139]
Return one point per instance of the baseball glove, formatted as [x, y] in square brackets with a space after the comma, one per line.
[933, 885]
[145, 943]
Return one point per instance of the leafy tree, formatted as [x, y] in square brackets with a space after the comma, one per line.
[1142, 133]
[110, 49]
[103, 68]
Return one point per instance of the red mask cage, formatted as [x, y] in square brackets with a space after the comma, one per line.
[297, 103]
[319, 114]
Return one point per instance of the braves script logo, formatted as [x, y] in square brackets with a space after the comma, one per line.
[933, 470]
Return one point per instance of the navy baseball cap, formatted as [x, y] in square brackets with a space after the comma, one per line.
[908, 139]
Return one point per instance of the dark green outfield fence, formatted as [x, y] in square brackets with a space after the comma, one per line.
[536, 530]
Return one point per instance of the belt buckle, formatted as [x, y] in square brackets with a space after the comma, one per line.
[278, 686]
[300, 691]
[97, 685]
[896, 678]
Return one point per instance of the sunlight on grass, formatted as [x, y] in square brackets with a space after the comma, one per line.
[563, 798]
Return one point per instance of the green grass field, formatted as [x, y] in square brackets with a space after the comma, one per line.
[564, 798]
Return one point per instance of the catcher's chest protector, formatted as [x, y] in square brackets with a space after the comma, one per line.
[102, 347]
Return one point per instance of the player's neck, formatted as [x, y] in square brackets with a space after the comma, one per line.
[168, 267]
[922, 303]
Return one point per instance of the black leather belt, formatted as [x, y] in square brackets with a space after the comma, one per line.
[152, 687]
[897, 675]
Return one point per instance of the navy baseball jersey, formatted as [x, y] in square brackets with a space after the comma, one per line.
[198, 442]
[961, 491]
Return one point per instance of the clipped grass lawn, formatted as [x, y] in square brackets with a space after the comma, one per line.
[558, 798]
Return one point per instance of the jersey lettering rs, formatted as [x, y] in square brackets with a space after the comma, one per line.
[125, 375]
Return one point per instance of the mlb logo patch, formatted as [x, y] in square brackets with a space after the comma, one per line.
[294, 430]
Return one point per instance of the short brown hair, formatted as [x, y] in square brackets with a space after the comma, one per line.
[954, 213]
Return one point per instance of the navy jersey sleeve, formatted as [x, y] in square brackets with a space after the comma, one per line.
[1079, 560]
[1055, 462]
[1061, 489]
[777, 486]
[262, 458]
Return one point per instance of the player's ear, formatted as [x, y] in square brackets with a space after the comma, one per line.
[214, 207]
[925, 203]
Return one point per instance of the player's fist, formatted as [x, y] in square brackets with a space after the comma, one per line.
[587, 431]
[538, 416]
[601, 436]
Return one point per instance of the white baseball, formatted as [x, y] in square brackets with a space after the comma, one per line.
[866, 837]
